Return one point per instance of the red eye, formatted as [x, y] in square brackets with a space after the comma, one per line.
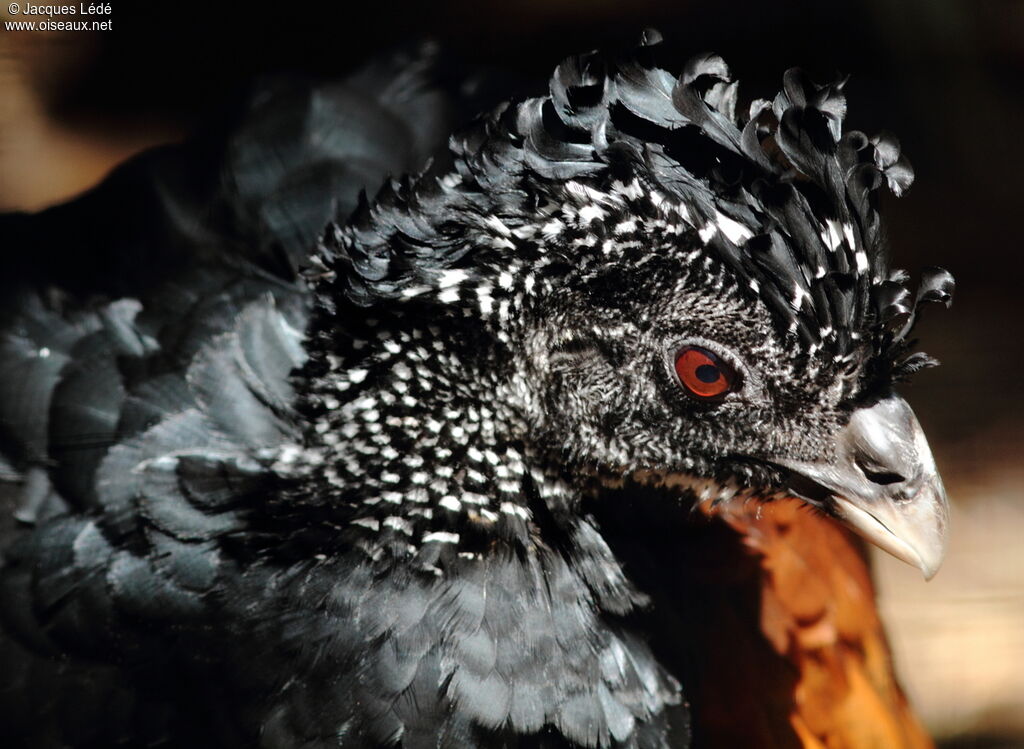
[703, 374]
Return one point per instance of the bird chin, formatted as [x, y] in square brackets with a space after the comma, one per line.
[705, 490]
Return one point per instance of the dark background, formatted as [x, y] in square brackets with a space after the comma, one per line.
[946, 75]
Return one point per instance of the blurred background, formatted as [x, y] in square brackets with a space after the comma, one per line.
[946, 75]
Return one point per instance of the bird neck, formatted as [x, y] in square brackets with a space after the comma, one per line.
[417, 437]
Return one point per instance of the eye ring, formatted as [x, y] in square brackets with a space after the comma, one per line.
[703, 374]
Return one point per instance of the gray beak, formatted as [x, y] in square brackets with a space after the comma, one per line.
[884, 485]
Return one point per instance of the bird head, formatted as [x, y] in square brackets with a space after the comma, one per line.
[642, 286]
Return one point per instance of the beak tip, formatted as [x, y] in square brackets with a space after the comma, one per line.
[917, 538]
[930, 556]
[929, 568]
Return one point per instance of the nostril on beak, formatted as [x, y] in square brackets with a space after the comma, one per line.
[884, 478]
[878, 474]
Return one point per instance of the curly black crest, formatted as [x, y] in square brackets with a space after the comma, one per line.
[782, 198]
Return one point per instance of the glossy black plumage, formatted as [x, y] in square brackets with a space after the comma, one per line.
[207, 236]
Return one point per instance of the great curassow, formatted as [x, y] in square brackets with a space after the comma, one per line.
[506, 459]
